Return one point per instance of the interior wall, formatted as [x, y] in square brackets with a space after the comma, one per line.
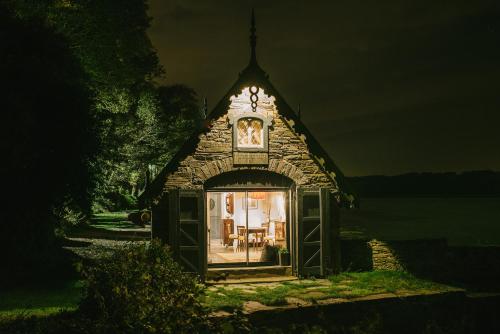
[272, 207]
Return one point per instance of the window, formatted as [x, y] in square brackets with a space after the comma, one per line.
[250, 133]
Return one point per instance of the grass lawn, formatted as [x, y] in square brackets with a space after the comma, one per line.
[49, 301]
[111, 220]
[345, 285]
[40, 301]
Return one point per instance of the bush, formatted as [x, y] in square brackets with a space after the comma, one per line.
[69, 216]
[141, 289]
[114, 201]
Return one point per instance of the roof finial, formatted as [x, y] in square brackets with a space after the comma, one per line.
[205, 108]
[253, 40]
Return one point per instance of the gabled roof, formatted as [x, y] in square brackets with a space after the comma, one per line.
[252, 75]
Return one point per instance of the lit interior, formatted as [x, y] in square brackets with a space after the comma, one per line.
[234, 239]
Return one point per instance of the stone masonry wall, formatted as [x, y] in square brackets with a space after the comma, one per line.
[288, 153]
[384, 256]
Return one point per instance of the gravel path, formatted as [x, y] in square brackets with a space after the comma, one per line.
[92, 249]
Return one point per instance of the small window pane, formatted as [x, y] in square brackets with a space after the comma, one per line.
[250, 133]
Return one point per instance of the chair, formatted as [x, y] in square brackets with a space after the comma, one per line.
[267, 239]
[241, 230]
[234, 237]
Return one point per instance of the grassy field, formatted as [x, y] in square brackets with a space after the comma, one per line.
[463, 221]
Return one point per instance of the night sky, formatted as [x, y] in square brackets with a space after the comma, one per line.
[387, 87]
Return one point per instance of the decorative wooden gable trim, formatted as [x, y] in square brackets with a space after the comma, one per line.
[209, 151]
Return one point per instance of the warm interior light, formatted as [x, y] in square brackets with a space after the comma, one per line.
[257, 195]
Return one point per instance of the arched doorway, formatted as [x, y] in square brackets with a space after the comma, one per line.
[205, 230]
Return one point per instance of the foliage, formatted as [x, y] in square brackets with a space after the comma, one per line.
[141, 289]
[109, 38]
[140, 125]
[144, 139]
[283, 250]
[70, 217]
[47, 125]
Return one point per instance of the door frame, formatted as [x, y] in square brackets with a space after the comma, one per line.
[288, 226]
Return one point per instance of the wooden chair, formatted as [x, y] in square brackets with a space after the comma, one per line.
[241, 230]
[267, 239]
[234, 241]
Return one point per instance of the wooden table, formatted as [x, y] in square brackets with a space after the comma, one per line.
[256, 230]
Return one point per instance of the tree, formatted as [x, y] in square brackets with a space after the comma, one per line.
[47, 146]
[148, 137]
[139, 125]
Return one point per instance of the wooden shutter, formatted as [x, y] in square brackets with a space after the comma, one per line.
[187, 235]
[312, 231]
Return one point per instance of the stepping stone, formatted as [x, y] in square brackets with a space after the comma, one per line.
[332, 301]
[297, 301]
[252, 306]
[239, 287]
[314, 295]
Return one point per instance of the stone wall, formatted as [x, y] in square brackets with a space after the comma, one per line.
[288, 153]
[477, 268]
[420, 257]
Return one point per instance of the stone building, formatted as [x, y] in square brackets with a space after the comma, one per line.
[252, 187]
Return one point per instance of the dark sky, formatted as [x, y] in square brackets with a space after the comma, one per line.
[387, 87]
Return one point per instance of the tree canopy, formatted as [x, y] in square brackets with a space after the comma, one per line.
[47, 126]
[140, 123]
[84, 119]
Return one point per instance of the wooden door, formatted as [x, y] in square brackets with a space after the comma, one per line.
[188, 237]
[312, 231]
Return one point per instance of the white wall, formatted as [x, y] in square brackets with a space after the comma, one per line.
[273, 205]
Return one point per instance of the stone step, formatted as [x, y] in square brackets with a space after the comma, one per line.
[253, 280]
[242, 273]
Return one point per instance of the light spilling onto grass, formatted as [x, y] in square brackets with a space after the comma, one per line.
[344, 286]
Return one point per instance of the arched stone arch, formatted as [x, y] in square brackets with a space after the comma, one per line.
[249, 178]
[196, 176]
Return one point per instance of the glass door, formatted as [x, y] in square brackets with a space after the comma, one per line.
[246, 227]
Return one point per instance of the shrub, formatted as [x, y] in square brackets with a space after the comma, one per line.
[141, 289]
[69, 216]
[114, 201]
